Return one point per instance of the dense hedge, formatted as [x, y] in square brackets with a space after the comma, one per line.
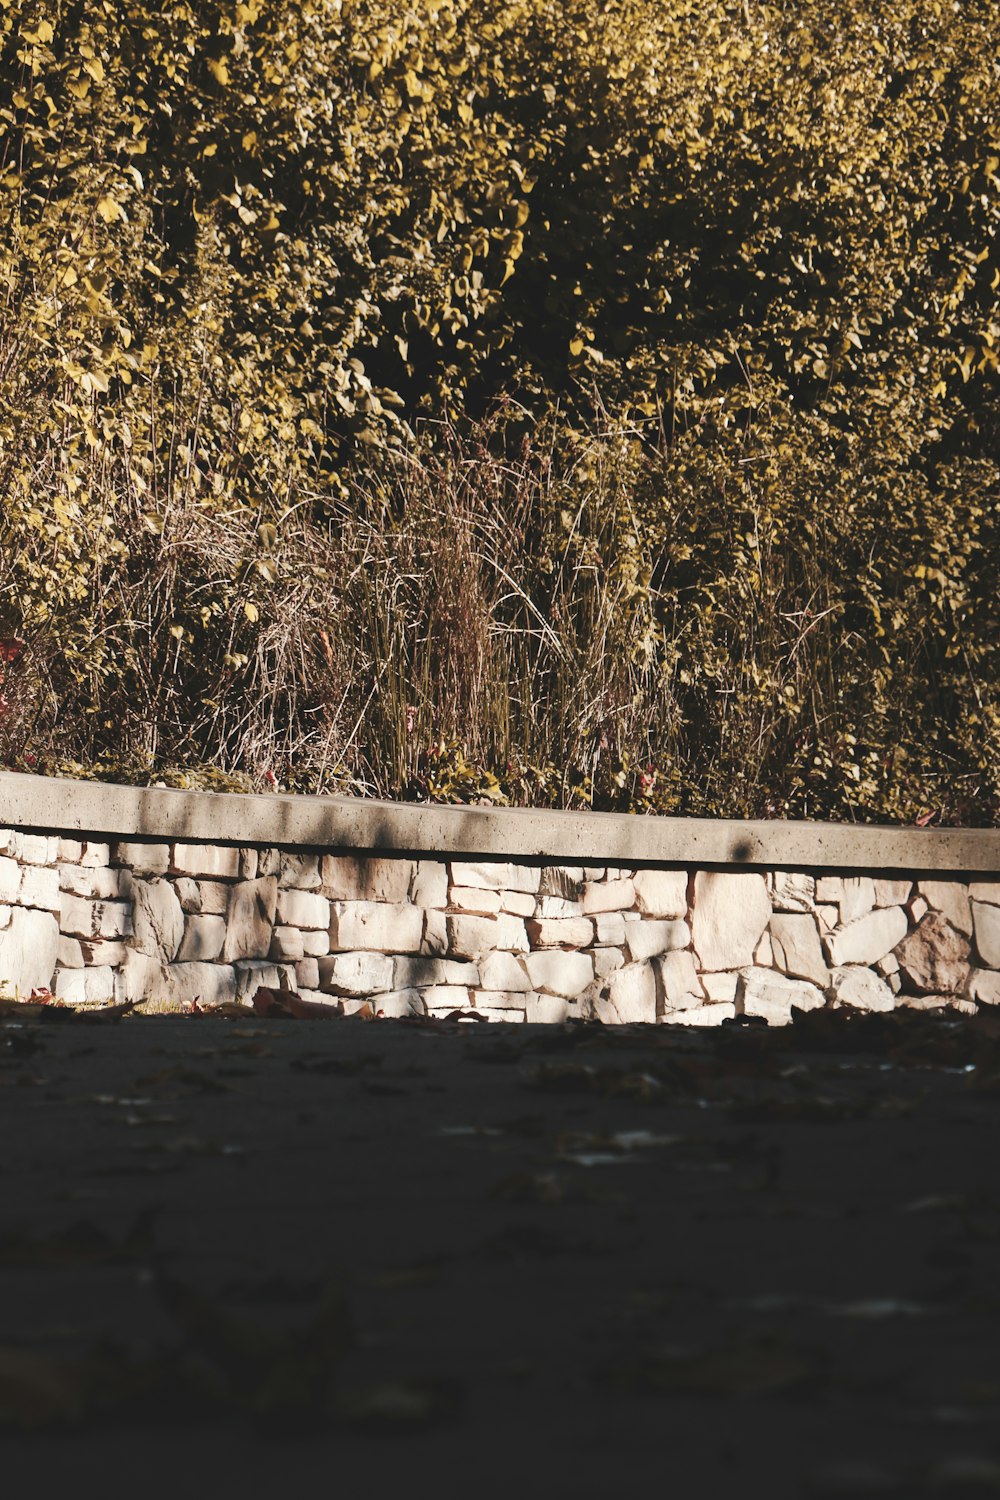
[729, 270]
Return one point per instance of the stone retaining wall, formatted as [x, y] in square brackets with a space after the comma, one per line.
[171, 921]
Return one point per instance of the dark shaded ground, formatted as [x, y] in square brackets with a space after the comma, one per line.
[446, 1259]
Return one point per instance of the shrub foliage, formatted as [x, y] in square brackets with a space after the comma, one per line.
[577, 402]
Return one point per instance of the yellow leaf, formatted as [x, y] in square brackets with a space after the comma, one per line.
[45, 32]
[252, 612]
[219, 71]
[95, 68]
[576, 346]
[110, 210]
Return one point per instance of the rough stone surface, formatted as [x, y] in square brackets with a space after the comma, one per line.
[70, 952]
[252, 973]
[986, 918]
[40, 887]
[356, 973]
[649, 938]
[473, 898]
[435, 935]
[397, 1004]
[411, 971]
[495, 875]
[203, 939]
[796, 948]
[79, 985]
[608, 895]
[157, 919]
[892, 892]
[711, 1014]
[558, 972]
[609, 927]
[762, 992]
[29, 946]
[562, 880]
[549, 1009]
[661, 893]
[520, 903]
[679, 983]
[720, 988]
[429, 884]
[555, 932]
[286, 944]
[307, 974]
[503, 971]
[10, 879]
[984, 986]
[627, 995]
[304, 909]
[951, 899]
[97, 884]
[868, 939]
[214, 897]
[985, 890]
[298, 871]
[606, 960]
[251, 913]
[360, 878]
[764, 953]
[731, 911]
[558, 906]
[370, 924]
[791, 891]
[855, 985]
[934, 959]
[210, 861]
[498, 999]
[473, 937]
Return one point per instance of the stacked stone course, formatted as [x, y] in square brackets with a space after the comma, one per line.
[170, 923]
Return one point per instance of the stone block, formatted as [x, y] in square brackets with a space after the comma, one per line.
[188, 894]
[143, 859]
[984, 986]
[206, 861]
[934, 958]
[40, 887]
[446, 997]
[731, 911]
[214, 897]
[36, 848]
[472, 937]
[504, 971]
[985, 890]
[94, 883]
[306, 909]
[374, 925]
[268, 862]
[103, 952]
[951, 899]
[356, 973]
[720, 988]
[96, 855]
[609, 928]
[792, 892]
[315, 944]
[429, 884]
[549, 1010]
[10, 879]
[607, 895]
[69, 954]
[855, 985]
[29, 947]
[986, 918]
[796, 948]
[501, 1017]
[69, 851]
[713, 1013]
[562, 880]
[157, 919]
[893, 892]
[938, 1002]
[93, 919]
[828, 918]
[250, 916]
[398, 1004]
[411, 971]
[917, 908]
[763, 954]
[350, 877]
[651, 937]
[628, 995]
[496, 875]
[499, 999]
[662, 893]
[203, 939]
[518, 903]
[286, 943]
[79, 985]
[143, 976]
[868, 939]
[473, 898]
[559, 972]
[307, 974]
[680, 987]
[606, 960]
[554, 932]
[300, 872]
[762, 992]
[252, 974]
[435, 938]
[557, 906]
[249, 864]
[888, 965]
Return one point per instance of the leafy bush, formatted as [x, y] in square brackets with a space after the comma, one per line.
[502, 398]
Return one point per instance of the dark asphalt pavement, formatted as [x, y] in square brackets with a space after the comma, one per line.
[443, 1259]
